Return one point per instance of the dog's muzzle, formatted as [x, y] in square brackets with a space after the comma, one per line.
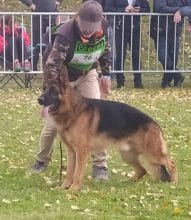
[41, 100]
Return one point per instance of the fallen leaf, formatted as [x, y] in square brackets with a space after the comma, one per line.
[47, 205]
[73, 207]
[6, 201]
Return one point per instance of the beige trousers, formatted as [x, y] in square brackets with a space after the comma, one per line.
[88, 86]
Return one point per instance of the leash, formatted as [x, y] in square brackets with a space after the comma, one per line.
[61, 162]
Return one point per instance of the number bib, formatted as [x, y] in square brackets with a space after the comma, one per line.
[85, 54]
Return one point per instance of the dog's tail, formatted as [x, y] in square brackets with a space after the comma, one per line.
[156, 148]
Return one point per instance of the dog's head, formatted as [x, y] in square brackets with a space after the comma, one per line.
[50, 96]
[54, 88]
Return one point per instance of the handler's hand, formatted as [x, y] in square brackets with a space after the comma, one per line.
[105, 85]
[44, 111]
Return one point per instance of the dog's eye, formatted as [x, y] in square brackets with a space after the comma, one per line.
[53, 93]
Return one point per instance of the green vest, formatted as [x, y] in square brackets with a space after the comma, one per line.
[86, 54]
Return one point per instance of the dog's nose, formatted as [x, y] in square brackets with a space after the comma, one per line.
[41, 100]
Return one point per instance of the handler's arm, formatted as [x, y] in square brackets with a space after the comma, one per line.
[105, 65]
[57, 56]
[105, 59]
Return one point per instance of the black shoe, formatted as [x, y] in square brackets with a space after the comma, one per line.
[138, 85]
[38, 167]
[180, 81]
[165, 84]
[99, 173]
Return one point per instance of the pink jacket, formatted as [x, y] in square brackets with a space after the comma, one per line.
[8, 34]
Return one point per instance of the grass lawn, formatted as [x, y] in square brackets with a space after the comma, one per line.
[26, 196]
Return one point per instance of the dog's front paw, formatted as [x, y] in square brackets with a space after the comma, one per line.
[74, 187]
[134, 177]
[67, 183]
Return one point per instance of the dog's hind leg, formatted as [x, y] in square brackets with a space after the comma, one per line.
[168, 166]
[155, 155]
[131, 157]
[150, 167]
[71, 164]
[162, 169]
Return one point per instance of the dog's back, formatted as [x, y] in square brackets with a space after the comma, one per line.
[118, 119]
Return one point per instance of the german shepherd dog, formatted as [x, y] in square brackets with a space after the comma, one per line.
[86, 125]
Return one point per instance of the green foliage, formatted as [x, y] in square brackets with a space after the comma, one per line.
[26, 196]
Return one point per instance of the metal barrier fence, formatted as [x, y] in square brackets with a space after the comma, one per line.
[133, 49]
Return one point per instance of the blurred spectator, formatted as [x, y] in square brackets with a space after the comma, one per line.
[127, 32]
[39, 22]
[14, 41]
[166, 35]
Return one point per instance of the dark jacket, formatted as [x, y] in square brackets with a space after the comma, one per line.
[160, 23]
[185, 11]
[168, 7]
[120, 5]
[64, 43]
[42, 5]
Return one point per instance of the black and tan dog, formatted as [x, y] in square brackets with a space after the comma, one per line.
[86, 125]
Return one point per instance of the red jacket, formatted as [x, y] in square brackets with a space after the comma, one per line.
[8, 34]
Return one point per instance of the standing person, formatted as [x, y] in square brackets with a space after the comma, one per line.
[109, 18]
[40, 6]
[167, 39]
[127, 31]
[14, 41]
[80, 45]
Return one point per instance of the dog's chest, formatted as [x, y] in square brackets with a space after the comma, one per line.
[71, 136]
[123, 147]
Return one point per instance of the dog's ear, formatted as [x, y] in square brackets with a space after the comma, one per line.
[65, 90]
[64, 77]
